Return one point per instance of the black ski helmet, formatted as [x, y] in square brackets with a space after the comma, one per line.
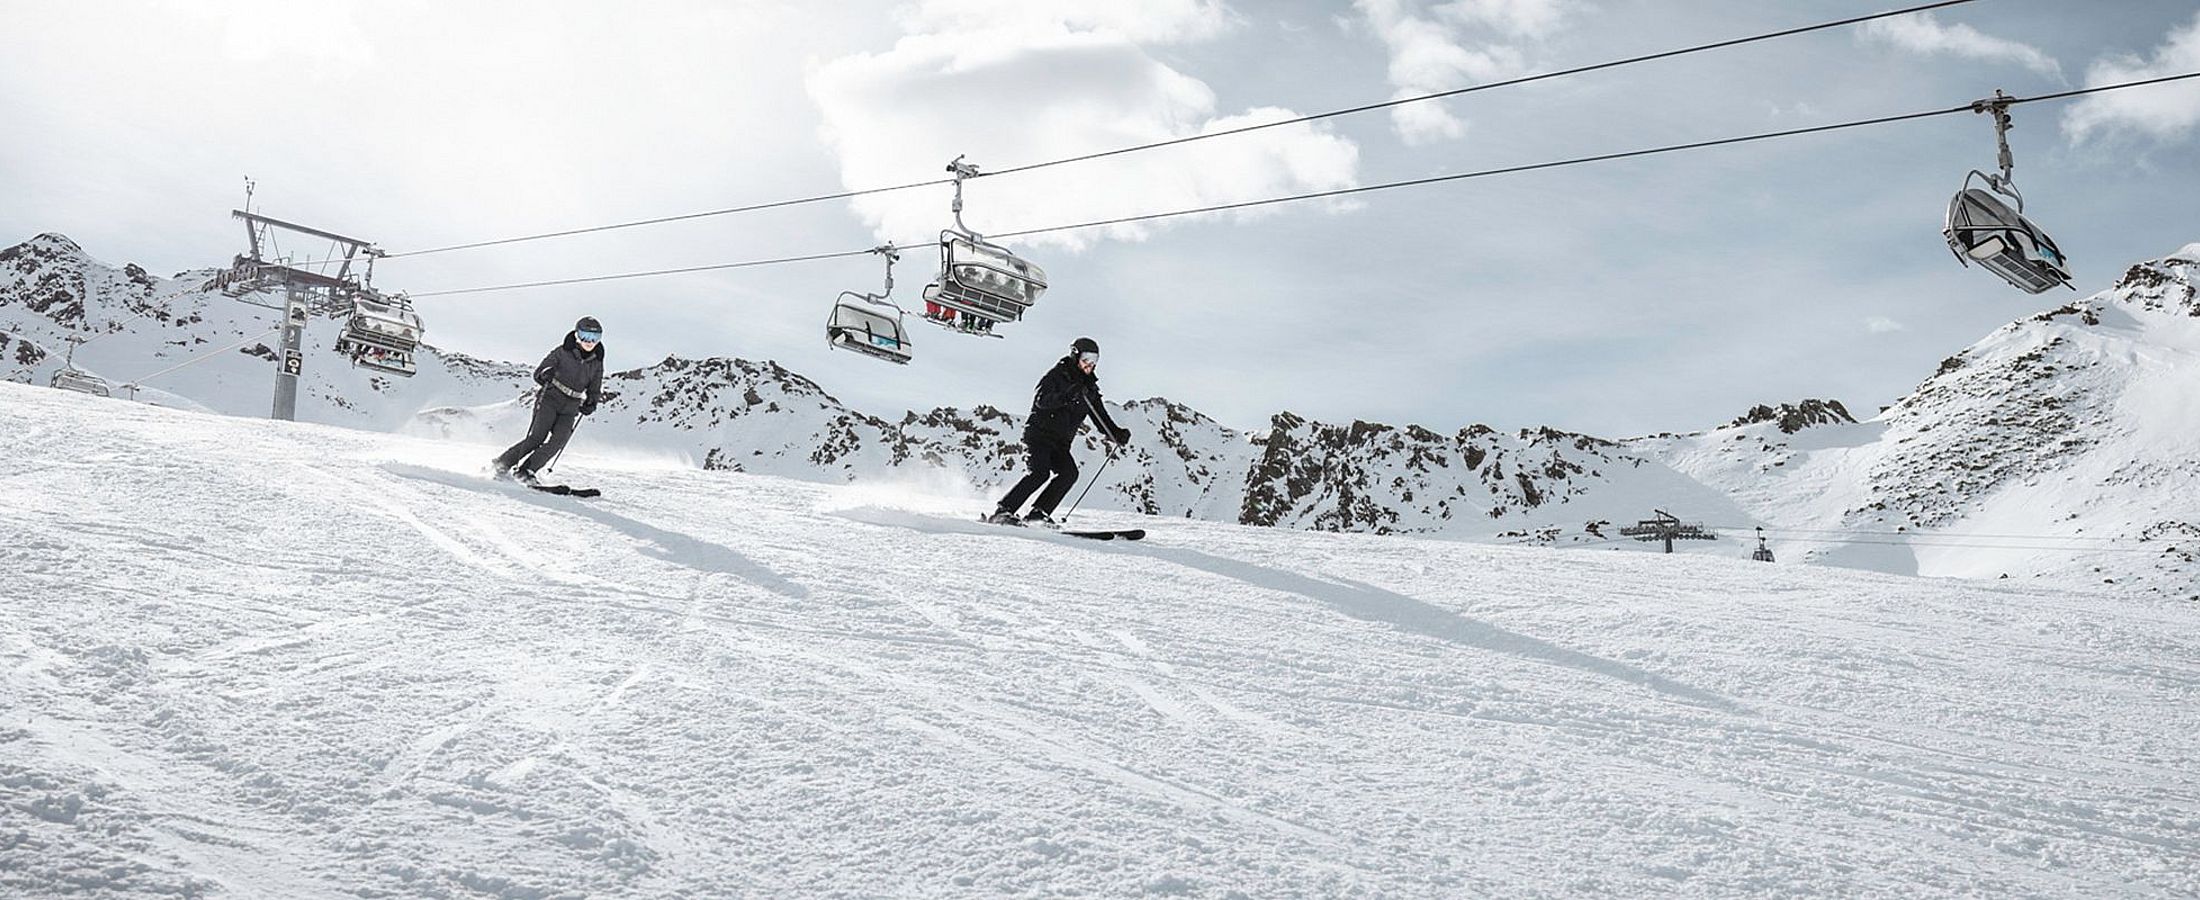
[588, 323]
[1084, 345]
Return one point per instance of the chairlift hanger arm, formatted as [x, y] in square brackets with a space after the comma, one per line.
[252, 219]
[1998, 107]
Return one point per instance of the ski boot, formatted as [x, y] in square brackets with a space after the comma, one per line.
[1004, 517]
[1037, 519]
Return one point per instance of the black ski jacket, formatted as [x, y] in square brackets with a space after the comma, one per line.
[571, 378]
[1064, 398]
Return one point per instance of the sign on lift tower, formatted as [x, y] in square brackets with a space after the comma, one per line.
[1668, 528]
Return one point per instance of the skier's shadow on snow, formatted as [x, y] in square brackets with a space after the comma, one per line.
[670, 546]
[1373, 604]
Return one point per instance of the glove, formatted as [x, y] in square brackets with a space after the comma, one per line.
[588, 409]
[1122, 436]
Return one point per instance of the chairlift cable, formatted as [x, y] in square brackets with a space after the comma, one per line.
[661, 220]
[197, 358]
[1340, 192]
[1717, 45]
[1580, 160]
[683, 270]
[1667, 54]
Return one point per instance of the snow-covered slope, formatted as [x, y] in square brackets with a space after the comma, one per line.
[140, 324]
[248, 658]
[2062, 445]
[2055, 448]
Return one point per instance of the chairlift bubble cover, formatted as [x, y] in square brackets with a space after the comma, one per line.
[985, 280]
[867, 331]
[381, 334]
[2026, 257]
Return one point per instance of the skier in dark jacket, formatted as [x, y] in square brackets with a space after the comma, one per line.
[1066, 395]
[572, 383]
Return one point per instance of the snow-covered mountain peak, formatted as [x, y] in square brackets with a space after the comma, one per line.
[48, 246]
[1794, 417]
[2170, 284]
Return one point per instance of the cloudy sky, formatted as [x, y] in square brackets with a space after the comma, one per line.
[1660, 293]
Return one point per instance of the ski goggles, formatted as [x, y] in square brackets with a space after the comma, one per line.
[1089, 357]
[590, 336]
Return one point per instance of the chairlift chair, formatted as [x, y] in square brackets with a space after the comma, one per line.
[1981, 228]
[381, 333]
[1984, 230]
[70, 378]
[856, 326]
[859, 322]
[980, 283]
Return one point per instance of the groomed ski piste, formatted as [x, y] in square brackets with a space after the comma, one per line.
[257, 659]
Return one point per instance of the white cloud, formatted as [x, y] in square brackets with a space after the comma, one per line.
[1519, 18]
[2165, 111]
[1881, 325]
[1924, 34]
[1431, 52]
[1031, 86]
[1139, 21]
[327, 32]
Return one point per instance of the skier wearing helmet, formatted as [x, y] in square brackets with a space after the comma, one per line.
[572, 383]
[1066, 395]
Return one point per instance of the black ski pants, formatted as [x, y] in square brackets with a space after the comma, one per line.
[1048, 460]
[546, 435]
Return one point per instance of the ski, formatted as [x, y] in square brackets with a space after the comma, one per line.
[1126, 534]
[566, 490]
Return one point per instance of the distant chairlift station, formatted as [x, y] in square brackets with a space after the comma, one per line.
[980, 283]
[1983, 229]
[860, 322]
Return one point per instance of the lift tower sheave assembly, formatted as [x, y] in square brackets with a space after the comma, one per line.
[379, 332]
[1668, 528]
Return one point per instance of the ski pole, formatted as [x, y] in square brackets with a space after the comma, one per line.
[553, 466]
[1088, 485]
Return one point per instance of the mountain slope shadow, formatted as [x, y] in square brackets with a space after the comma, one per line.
[670, 546]
[1373, 604]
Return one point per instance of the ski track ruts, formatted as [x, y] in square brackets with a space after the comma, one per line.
[1140, 650]
[377, 497]
[1005, 724]
[406, 765]
[267, 642]
[516, 772]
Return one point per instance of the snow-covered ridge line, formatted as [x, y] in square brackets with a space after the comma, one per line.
[2026, 432]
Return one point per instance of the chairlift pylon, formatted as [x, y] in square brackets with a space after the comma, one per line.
[857, 323]
[980, 283]
[1981, 228]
